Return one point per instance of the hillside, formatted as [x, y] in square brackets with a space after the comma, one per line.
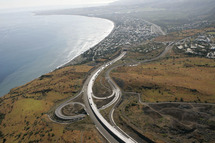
[168, 99]
[24, 111]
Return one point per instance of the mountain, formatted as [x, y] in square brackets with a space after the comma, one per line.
[181, 5]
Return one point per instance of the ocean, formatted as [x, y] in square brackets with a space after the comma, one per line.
[32, 45]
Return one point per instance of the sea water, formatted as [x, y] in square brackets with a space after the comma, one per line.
[32, 45]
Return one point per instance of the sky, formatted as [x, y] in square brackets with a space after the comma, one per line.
[11, 4]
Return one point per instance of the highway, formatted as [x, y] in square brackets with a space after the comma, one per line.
[111, 132]
[111, 114]
[115, 92]
[105, 128]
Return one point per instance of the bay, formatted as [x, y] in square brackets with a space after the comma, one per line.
[32, 45]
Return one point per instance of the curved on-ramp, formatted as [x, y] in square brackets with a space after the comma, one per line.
[59, 114]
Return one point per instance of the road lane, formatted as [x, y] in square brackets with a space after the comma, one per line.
[112, 134]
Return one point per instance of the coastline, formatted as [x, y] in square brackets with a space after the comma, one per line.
[106, 45]
[108, 32]
[78, 58]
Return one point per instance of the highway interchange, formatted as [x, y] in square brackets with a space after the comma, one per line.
[102, 125]
[112, 134]
[110, 131]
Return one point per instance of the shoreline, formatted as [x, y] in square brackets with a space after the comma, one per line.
[79, 55]
[110, 43]
[109, 32]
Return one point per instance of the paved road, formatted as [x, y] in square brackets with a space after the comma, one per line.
[115, 90]
[166, 50]
[58, 111]
[59, 114]
[92, 110]
[111, 133]
[115, 87]
[108, 131]
[111, 114]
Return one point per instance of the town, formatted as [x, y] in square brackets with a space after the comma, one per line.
[201, 45]
[128, 31]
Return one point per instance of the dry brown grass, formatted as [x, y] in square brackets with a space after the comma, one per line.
[25, 107]
[182, 34]
[167, 122]
[189, 78]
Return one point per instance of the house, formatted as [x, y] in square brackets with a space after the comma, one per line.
[211, 55]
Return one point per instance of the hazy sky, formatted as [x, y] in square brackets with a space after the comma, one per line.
[5, 4]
